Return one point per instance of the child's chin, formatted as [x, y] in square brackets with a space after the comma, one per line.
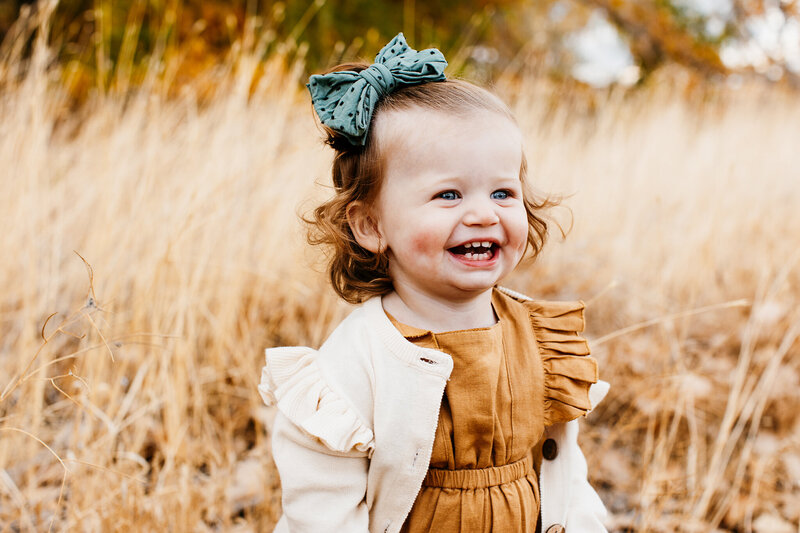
[477, 286]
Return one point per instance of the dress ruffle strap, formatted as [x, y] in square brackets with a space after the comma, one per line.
[568, 372]
[292, 380]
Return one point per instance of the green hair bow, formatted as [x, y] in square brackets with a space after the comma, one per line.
[345, 100]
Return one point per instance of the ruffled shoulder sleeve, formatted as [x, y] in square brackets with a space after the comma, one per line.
[292, 381]
[569, 372]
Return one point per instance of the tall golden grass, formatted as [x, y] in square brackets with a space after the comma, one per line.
[164, 236]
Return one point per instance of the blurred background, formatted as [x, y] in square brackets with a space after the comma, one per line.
[155, 158]
[597, 42]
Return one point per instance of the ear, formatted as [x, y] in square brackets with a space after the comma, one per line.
[364, 226]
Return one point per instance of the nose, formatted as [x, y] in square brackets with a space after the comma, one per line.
[480, 212]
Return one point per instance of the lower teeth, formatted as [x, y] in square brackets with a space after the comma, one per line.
[476, 257]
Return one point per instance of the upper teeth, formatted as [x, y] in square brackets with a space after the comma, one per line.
[485, 244]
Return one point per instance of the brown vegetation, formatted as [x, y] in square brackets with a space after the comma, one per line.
[135, 406]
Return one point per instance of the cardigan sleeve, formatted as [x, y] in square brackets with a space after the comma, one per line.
[587, 512]
[291, 380]
[567, 498]
[322, 491]
[320, 446]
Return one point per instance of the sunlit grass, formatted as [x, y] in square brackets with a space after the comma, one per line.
[135, 406]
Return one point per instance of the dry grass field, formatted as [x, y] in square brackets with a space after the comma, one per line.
[152, 250]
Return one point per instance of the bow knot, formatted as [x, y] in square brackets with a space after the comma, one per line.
[345, 100]
[379, 77]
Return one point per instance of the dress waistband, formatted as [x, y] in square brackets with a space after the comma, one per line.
[478, 478]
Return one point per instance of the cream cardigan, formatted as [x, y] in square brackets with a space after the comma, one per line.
[355, 425]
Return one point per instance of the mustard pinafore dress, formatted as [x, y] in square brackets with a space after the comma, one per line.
[509, 381]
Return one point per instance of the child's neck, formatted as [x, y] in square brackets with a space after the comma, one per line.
[421, 310]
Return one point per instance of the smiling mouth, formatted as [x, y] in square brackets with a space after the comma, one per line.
[476, 251]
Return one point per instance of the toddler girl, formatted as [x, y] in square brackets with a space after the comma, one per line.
[443, 402]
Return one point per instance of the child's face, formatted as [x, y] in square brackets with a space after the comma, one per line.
[451, 187]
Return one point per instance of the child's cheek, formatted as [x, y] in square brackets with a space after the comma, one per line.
[424, 243]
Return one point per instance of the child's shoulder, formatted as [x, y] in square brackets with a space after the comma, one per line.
[549, 315]
[565, 354]
[323, 391]
[351, 334]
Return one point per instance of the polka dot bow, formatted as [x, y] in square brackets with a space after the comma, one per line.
[345, 100]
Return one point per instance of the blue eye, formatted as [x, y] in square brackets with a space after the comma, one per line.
[448, 195]
[502, 194]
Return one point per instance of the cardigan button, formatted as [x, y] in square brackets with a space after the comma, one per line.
[549, 452]
[556, 528]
